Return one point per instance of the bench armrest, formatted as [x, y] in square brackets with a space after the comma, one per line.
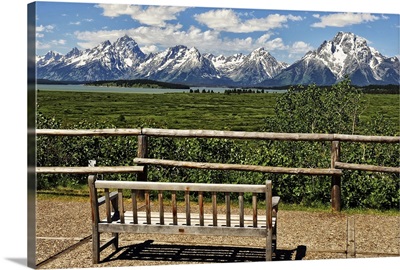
[275, 202]
[102, 200]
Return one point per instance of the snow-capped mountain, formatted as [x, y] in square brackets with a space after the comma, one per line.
[179, 64]
[346, 54]
[106, 61]
[225, 64]
[258, 66]
[250, 69]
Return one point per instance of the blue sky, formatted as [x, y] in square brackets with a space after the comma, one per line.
[286, 34]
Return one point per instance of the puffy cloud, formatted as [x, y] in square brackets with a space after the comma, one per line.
[298, 49]
[149, 49]
[384, 17]
[40, 33]
[221, 19]
[229, 21]
[153, 15]
[50, 44]
[301, 47]
[343, 19]
[59, 42]
[41, 45]
[264, 38]
[275, 44]
[153, 39]
[45, 28]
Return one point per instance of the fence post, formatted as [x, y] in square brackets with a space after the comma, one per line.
[336, 180]
[142, 152]
[351, 238]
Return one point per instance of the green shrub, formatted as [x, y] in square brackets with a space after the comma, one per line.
[311, 110]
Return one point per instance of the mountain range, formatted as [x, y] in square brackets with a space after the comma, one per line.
[345, 55]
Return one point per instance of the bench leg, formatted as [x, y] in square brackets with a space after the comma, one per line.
[268, 247]
[115, 242]
[275, 229]
[96, 247]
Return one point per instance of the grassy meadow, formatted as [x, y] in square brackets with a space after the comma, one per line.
[173, 110]
[219, 111]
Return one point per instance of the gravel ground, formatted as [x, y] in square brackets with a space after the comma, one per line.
[63, 228]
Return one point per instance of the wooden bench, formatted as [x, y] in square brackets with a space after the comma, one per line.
[193, 220]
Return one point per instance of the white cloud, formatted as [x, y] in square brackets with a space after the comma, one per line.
[59, 42]
[40, 33]
[47, 45]
[149, 49]
[343, 19]
[153, 15]
[275, 44]
[153, 39]
[40, 45]
[75, 23]
[301, 47]
[264, 38]
[222, 20]
[298, 49]
[229, 21]
[45, 28]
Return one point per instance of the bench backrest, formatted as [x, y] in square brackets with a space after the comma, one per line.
[115, 199]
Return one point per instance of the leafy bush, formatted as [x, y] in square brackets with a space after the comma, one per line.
[334, 110]
[310, 110]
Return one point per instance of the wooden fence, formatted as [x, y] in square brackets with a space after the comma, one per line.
[335, 170]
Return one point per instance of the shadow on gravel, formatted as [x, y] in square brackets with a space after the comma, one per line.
[213, 254]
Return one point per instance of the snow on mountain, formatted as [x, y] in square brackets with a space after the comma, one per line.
[178, 64]
[256, 67]
[250, 69]
[103, 62]
[49, 58]
[225, 63]
[345, 55]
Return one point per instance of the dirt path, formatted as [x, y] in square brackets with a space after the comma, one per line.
[62, 224]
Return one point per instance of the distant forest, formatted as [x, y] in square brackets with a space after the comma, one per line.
[140, 83]
[369, 89]
[381, 89]
[144, 83]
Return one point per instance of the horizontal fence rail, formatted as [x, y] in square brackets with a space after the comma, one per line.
[90, 170]
[237, 167]
[192, 133]
[363, 167]
[89, 132]
[335, 170]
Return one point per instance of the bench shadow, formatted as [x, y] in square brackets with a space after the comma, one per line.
[198, 253]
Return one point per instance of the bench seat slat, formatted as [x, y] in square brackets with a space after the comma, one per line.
[182, 229]
[195, 221]
[142, 185]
